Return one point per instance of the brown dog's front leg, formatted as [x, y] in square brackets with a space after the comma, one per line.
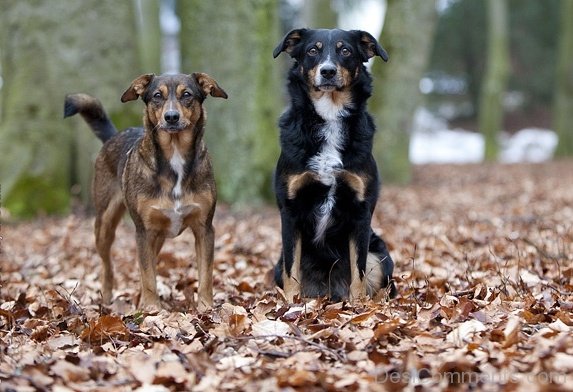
[148, 245]
[205, 248]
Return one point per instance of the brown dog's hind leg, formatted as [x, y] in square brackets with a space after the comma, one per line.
[108, 216]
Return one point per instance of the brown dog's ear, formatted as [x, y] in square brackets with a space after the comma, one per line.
[209, 85]
[289, 42]
[370, 47]
[137, 87]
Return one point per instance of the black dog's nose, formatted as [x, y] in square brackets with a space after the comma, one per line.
[171, 116]
[328, 71]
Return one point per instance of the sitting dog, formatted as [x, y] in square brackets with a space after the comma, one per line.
[326, 179]
[161, 173]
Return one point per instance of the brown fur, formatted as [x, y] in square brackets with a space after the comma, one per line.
[146, 185]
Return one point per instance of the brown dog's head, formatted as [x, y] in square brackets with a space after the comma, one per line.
[173, 102]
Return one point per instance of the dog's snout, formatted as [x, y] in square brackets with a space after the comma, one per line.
[328, 71]
[171, 116]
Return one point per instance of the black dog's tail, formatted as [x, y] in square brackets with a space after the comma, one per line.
[92, 111]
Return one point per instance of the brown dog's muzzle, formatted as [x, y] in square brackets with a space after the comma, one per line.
[171, 117]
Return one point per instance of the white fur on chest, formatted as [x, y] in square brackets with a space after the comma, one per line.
[177, 164]
[176, 216]
[178, 213]
[328, 160]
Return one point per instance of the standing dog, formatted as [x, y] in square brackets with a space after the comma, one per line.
[326, 180]
[161, 173]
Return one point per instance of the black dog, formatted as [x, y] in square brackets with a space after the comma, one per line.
[326, 181]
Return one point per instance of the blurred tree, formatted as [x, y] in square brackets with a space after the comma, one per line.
[533, 29]
[460, 45]
[563, 103]
[234, 45]
[319, 14]
[495, 81]
[50, 49]
[407, 37]
[148, 34]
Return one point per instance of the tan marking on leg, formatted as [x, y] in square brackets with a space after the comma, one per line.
[373, 274]
[297, 181]
[356, 182]
[357, 285]
[292, 284]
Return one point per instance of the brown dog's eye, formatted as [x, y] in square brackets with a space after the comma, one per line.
[345, 52]
[312, 52]
[157, 95]
[186, 94]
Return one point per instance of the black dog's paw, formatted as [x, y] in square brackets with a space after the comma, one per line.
[279, 273]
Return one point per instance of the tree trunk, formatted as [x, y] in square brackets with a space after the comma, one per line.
[148, 35]
[319, 14]
[563, 102]
[495, 80]
[50, 49]
[234, 45]
[407, 37]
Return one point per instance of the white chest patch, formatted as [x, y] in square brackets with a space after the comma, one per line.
[176, 216]
[177, 164]
[328, 159]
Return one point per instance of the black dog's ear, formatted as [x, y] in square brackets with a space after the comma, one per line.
[370, 47]
[137, 88]
[289, 42]
[209, 85]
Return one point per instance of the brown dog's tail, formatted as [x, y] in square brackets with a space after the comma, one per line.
[92, 111]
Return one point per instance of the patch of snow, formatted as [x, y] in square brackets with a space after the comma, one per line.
[431, 141]
[528, 145]
[446, 146]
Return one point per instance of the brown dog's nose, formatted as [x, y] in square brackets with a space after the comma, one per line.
[171, 116]
[328, 71]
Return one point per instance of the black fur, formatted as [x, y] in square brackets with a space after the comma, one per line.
[325, 268]
[91, 110]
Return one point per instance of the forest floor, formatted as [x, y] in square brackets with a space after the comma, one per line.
[483, 267]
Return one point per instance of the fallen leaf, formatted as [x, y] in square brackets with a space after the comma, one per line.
[511, 332]
[465, 332]
[270, 328]
[105, 328]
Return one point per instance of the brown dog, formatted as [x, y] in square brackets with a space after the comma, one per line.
[161, 173]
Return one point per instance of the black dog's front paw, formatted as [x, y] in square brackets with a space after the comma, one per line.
[279, 273]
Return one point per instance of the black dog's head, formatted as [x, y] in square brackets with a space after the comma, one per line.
[330, 60]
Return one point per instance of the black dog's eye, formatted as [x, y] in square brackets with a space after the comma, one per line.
[186, 94]
[312, 51]
[345, 52]
[157, 95]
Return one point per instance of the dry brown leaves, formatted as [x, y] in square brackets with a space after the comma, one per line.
[483, 265]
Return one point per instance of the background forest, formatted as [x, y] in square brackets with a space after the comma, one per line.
[484, 66]
[483, 249]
